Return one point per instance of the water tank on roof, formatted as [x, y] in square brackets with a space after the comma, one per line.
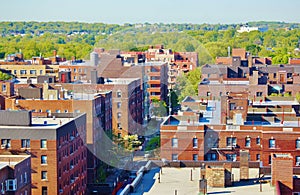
[94, 58]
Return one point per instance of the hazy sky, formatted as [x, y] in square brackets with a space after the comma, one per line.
[152, 11]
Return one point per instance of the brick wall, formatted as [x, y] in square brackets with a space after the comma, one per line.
[278, 165]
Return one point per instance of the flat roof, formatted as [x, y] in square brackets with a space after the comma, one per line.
[275, 103]
[83, 96]
[156, 63]
[42, 123]
[119, 81]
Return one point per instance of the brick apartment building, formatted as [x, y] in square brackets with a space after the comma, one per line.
[178, 62]
[46, 100]
[126, 103]
[56, 146]
[112, 100]
[259, 80]
[15, 174]
[190, 140]
[216, 130]
[31, 69]
[111, 64]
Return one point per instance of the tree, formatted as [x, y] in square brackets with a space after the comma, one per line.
[187, 85]
[4, 76]
[159, 108]
[153, 144]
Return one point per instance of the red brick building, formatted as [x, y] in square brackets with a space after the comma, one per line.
[56, 146]
[185, 138]
[15, 174]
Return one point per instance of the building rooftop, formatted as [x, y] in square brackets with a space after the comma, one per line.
[275, 103]
[119, 81]
[39, 123]
[156, 63]
[11, 160]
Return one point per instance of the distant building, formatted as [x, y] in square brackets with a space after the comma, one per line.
[15, 173]
[246, 28]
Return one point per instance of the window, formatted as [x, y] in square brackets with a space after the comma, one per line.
[298, 143]
[25, 177]
[274, 75]
[43, 143]
[174, 142]
[119, 126]
[57, 111]
[43, 159]
[119, 105]
[231, 157]
[270, 159]
[33, 72]
[11, 185]
[271, 143]
[2, 189]
[44, 175]
[247, 142]
[44, 190]
[195, 142]
[208, 93]
[289, 75]
[195, 157]
[74, 69]
[23, 72]
[25, 143]
[257, 156]
[154, 78]
[119, 94]
[66, 111]
[259, 94]
[15, 72]
[5, 143]
[297, 160]
[174, 157]
[41, 72]
[231, 141]
[3, 87]
[232, 106]
[258, 141]
[211, 156]
[119, 115]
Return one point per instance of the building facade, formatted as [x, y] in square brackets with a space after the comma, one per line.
[56, 146]
[15, 174]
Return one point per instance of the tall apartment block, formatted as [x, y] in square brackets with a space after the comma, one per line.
[56, 146]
